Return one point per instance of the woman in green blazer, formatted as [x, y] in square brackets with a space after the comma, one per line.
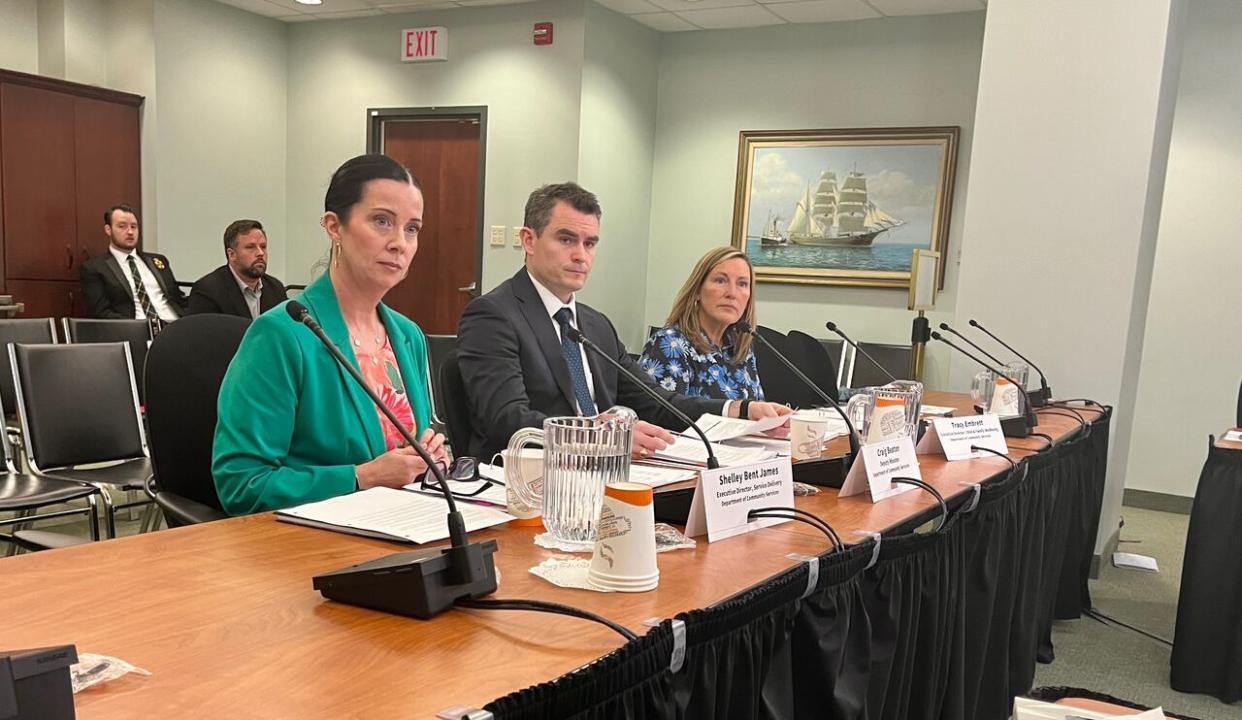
[293, 426]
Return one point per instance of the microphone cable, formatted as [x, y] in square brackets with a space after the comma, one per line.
[802, 516]
[944, 509]
[546, 607]
[1087, 401]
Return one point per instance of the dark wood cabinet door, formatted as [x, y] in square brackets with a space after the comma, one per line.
[48, 298]
[40, 225]
[108, 161]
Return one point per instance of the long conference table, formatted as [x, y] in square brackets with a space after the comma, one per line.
[224, 617]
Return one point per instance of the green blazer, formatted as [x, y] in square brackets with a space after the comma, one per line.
[292, 424]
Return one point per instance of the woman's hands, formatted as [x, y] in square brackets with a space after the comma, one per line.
[399, 467]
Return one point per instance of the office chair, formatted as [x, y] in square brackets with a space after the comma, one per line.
[813, 359]
[20, 330]
[185, 368]
[78, 406]
[456, 409]
[135, 332]
[894, 358]
[779, 383]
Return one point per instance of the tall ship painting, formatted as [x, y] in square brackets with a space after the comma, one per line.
[837, 216]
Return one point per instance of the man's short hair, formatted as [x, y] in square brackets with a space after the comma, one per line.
[114, 208]
[237, 227]
[540, 203]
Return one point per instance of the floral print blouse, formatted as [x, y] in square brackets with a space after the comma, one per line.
[676, 364]
[381, 372]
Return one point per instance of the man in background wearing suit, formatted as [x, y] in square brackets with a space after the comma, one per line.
[125, 283]
[241, 286]
[518, 367]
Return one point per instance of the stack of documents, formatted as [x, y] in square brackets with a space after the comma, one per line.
[690, 451]
[390, 514]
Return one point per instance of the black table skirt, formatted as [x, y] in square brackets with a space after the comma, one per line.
[1207, 643]
[944, 625]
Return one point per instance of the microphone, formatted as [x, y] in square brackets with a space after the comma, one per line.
[1043, 395]
[576, 335]
[741, 326]
[1030, 418]
[946, 328]
[833, 328]
[440, 576]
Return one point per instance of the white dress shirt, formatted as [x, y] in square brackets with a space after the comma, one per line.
[552, 304]
[250, 294]
[155, 293]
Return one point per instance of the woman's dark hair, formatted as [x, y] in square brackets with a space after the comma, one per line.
[345, 188]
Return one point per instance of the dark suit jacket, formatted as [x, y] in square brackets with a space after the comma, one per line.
[217, 292]
[515, 376]
[106, 287]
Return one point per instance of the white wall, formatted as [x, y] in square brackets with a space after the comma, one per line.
[875, 73]
[86, 41]
[19, 35]
[51, 38]
[1189, 379]
[616, 146]
[220, 148]
[337, 70]
[1071, 140]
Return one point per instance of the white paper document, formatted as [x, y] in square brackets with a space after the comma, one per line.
[690, 451]
[390, 514]
[660, 475]
[719, 429]
[771, 444]
[938, 410]
[1027, 709]
[1138, 562]
[1233, 436]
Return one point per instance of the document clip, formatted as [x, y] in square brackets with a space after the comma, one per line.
[875, 552]
[464, 712]
[679, 646]
[653, 622]
[974, 501]
[812, 572]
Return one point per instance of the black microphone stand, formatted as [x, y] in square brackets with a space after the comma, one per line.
[1018, 425]
[1039, 397]
[832, 327]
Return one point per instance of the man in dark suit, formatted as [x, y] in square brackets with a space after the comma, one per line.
[126, 283]
[517, 366]
[241, 286]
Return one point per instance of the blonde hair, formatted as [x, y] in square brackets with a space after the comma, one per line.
[685, 312]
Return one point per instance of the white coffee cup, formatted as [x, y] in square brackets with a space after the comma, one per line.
[806, 435]
[625, 545]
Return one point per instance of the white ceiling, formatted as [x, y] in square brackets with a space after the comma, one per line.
[662, 15]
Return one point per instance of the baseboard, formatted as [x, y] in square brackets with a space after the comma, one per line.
[1163, 502]
[1110, 547]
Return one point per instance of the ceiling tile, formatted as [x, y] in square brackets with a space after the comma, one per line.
[664, 22]
[817, 11]
[349, 14]
[925, 7]
[260, 7]
[394, 6]
[485, 3]
[328, 6]
[688, 5]
[732, 17]
[629, 7]
[296, 18]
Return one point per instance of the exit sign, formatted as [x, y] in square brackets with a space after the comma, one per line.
[424, 44]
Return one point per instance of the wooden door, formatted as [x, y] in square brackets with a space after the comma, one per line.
[108, 163]
[40, 229]
[443, 153]
[48, 298]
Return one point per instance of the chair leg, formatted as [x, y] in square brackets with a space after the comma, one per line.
[150, 519]
[92, 517]
[109, 512]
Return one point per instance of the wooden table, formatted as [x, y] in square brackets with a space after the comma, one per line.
[224, 616]
[1231, 444]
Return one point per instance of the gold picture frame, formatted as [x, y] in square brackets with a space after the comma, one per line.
[843, 207]
[923, 289]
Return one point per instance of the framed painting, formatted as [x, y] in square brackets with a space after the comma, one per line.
[843, 207]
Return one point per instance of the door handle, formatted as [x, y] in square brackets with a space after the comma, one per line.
[68, 256]
[472, 288]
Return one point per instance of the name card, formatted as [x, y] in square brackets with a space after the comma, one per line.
[427, 44]
[954, 436]
[724, 497]
[877, 464]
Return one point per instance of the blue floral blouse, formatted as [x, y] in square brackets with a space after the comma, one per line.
[672, 361]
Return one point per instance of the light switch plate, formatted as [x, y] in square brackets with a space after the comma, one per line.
[517, 236]
[498, 236]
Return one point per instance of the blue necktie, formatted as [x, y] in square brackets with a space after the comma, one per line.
[573, 358]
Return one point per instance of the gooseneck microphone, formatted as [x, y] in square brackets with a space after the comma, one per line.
[1029, 413]
[743, 327]
[833, 328]
[423, 583]
[576, 335]
[945, 327]
[1044, 394]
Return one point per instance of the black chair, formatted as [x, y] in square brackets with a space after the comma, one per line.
[24, 496]
[836, 351]
[185, 368]
[780, 384]
[456, 408]
[79, 406]
[135, 332]
[812, 359]
[894, 358]
[438, 346]
[24, 330]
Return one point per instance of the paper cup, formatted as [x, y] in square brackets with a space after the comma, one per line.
[806, 435]
[625, 546]
[531, 462]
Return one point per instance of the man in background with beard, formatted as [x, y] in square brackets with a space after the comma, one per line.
[241, 286]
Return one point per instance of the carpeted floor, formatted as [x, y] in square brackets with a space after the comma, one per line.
[1120, 662]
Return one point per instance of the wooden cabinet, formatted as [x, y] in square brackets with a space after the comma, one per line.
[67, 153]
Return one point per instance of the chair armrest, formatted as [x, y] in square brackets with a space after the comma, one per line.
[186, 511]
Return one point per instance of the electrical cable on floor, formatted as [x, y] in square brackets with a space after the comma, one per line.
[544, 606]
[1105, 619]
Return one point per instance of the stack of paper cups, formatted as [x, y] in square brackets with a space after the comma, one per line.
[625, 548]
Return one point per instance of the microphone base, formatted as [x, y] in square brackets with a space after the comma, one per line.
[824, 472]
[1040, 397]
[419, 584]
[1016, 426]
